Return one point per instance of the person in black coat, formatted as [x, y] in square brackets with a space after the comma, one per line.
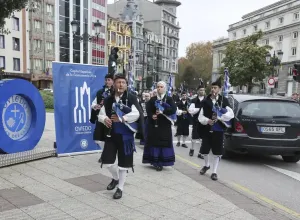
[183, 120]
[97, 104]
[158, 150]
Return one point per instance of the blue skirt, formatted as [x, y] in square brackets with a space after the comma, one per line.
[159, 156]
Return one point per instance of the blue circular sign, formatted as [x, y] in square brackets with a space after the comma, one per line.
[22, 114]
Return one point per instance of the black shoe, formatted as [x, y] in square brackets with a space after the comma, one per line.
[204, 170]
[214, 176]
[175, 135]
[191, 152]
[184, 145]
[159, 168]
[118, 194]
[178, 144]
[200, 156]
[112, 184]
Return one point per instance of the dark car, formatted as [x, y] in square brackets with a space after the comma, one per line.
[264, 125]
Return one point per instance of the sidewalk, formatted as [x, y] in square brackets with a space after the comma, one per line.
[75, 188]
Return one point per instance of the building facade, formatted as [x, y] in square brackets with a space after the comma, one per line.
[160, 18]
[119, 35]
[70, 46]
[280, 23]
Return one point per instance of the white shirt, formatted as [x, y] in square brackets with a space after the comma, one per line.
[94, 103]
[179, 111]
[192, 109]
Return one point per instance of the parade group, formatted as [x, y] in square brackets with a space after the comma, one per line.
[120, 116]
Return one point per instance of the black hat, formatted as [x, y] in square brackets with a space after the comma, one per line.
[183, 93]
[110, 76]
[119, 76]
[201, 86]
[217, 82]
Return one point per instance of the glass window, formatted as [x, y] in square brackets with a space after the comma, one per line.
[64, 24]
[2, 62]
[16, 44]
[76, 13]
[2, 42]
[15, 23]
[16, 63]
[267, 109]
[64, 7]
[64, 54]
[76, 56]
[64, 40]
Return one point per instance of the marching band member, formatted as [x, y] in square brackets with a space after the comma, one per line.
[183, 121]
[96, 106]
[120, 115]
[215, 115]
[161, 112]
[194, 110]
[143, 102]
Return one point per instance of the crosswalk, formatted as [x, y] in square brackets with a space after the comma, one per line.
[291, 174]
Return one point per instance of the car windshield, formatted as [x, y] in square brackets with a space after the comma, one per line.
[273, 109]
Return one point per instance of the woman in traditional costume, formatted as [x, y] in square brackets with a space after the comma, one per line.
[161, 112]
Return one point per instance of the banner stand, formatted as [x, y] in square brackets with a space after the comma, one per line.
[79, 153]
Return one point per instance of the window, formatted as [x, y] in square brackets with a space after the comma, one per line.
[37, 64]
[15, 24]
[234, 34]
[49, 64]
[294, 51]
[255, 27]
[267, 41]
[295, 35]
[37, 24]
[2, 42]
[2, 62]
[267, 24]
[16, 62]
[290, 73]
[280, 38]
[50, 9]
[50, 47]
[16, 44]
[281, 20]
[49, 28]
[245, 31]
[296, 16]
[37, 44]
[267, 109]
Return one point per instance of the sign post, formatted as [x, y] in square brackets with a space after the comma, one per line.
[75, 87]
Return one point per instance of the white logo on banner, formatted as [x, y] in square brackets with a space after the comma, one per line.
[82, 109]
[84, 143]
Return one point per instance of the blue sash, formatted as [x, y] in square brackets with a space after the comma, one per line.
[161, 107]
[219, 112]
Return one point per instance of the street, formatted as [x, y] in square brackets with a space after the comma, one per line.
[267, 176]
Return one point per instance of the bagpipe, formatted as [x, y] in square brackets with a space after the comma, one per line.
[95, 113]
[218, 111]
[185, 108]
[161, 106]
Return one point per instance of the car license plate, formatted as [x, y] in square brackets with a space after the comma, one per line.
[273, 130]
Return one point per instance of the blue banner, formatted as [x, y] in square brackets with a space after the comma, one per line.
[75, 87]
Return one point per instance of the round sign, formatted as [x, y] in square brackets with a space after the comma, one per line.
[23, 116]
[271, 81]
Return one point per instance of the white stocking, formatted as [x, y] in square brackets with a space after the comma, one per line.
[122, 177]
[183, 139]
[206, 160]
[178, 138]
[113, 169]
[216, 160]
[193, 144]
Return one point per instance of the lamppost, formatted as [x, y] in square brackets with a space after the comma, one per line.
[274, 62]
[85, 37]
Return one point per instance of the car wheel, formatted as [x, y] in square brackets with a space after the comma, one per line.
[291, 159]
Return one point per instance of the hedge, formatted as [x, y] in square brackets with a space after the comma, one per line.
[48, 99]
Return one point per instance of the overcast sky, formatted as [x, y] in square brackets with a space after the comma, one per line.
[207, 20]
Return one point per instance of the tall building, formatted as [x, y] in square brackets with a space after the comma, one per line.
[119, 35]
[160, 17]
[80, 45]
[280, 23]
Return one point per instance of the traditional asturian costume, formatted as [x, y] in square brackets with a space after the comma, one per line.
[183, 122]
[213, 136]
[197, 134]
[158, 150]
[121, 139]
[99, 135]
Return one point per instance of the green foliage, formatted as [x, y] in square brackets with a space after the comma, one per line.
[246, 61]
[48, 99]
[188, 76]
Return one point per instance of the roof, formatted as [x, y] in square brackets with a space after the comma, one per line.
[248, 97]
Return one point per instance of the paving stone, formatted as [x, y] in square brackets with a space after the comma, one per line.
[78, 181]
[219, 209]
[199, 214]
[156, 211]
[144, 194]
[5, 205]
[132, 215]
[25, 201]
[4, 184]
[99, 178]
[14, 214]
[190, 199]
[174, 205]
[18, 179]
[240, 215]
[132, 201]
[94, 187]
[13, 192]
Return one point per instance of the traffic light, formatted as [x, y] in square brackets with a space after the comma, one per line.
[296, 72]
[112, 61]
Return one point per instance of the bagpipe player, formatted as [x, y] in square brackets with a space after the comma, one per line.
[121, 114]
[215, 115]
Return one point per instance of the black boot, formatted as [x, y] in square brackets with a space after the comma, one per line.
[159, 168]
[118, 194]
[200, 156]
[191, 152]
[178, 144]
[184, 145]
[112, 184]
[204, 170]
[214, 176]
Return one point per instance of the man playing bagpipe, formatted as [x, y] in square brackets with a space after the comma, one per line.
[121, 114]
[183, 120]
[96, 106]
[194, 110]
[143, 103]
[161, 112]
[215, 115]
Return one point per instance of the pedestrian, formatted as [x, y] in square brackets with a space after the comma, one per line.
[120, 133]
[183, 122]
[97, 104]
[194, 110]
[143, 103]
[215, 115]
[161, 112]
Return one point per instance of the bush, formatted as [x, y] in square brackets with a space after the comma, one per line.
[48, 99]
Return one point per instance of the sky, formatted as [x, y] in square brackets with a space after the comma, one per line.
[207, 20]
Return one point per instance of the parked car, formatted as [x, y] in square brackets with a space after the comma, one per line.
[264, 125]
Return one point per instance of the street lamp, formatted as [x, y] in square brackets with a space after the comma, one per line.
[274, 62]
[86, 37]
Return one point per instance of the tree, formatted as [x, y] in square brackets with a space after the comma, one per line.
[7, 7]
[200, 56]
[182, 64]
[246, 61]
[188, 76]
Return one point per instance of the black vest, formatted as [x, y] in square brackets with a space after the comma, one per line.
[198, 104]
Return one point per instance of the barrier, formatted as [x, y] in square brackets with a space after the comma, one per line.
[23, 116]
[75, 87]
